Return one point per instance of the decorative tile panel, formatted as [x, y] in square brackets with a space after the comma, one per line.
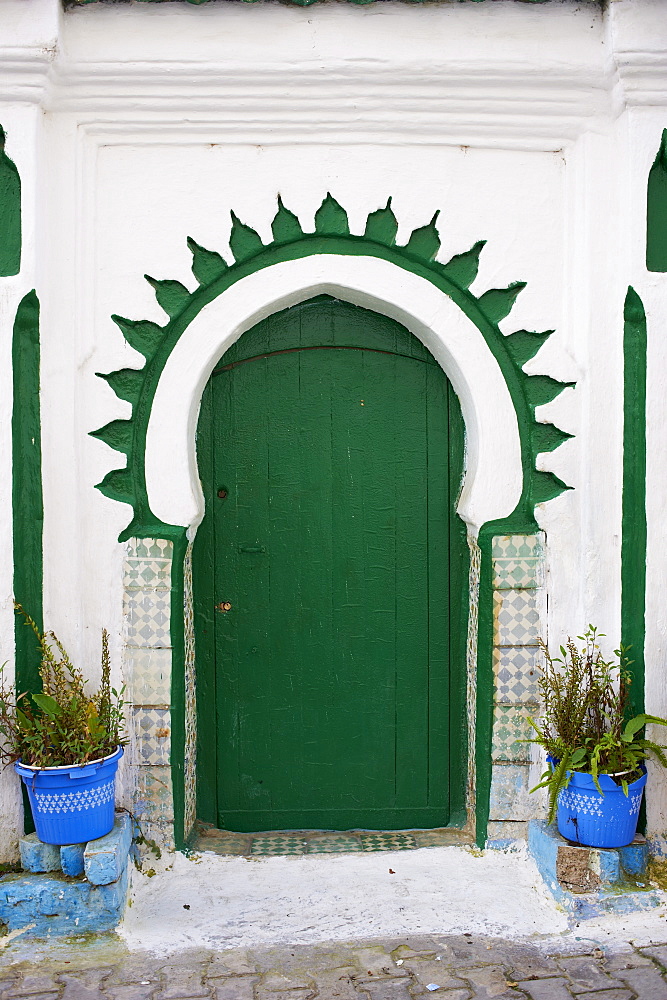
[152, 735]
[510, 794]
[387, 841]
[334, 843]
[147, 574]
[277, 844]
[516, 617]
[147, 674]
[516, 673]
[510, 726]
[517, 562]
[153, 797]
[150, 548]
[148, 614]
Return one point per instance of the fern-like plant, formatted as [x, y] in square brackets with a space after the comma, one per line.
[584, 724]
[62, 724]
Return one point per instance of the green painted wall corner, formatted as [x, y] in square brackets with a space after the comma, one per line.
[10, 214]
[656, 210]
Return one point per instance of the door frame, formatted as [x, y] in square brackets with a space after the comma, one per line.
[434, 301]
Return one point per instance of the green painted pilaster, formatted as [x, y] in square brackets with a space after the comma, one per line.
[656, 211]
[10, 214]
[633, 543]
[27, 506]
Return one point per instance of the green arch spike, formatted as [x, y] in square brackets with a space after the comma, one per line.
[546, 486]
[117, 434]
[126, 383]
[425, 242]
[541, 389]
[285, 226]
[331, 218]
[244, 242]
[462, 269]
[172, 296]
[214, 276]
[524, 345]
[117, 485]
[382, 226]
[497, 302]
[140, 334]
[548, 437]
[207, 265]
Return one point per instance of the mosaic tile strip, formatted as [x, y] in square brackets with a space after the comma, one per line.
[387, 841]
[147, 674]
[518, 546]
[510, 726]
[277, 844]
[471, 668]
[147, 574]
[516, 617]
[510, 794]
[151, 735]
[333, 843]
[148, 617]
[150, 548]
[161, 833]
[153, 799]
[190, 763]
[516, 673]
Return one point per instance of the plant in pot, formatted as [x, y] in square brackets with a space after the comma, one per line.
[65, 744]
[596, 753]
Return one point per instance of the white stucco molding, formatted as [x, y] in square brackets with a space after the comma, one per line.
[493, 476]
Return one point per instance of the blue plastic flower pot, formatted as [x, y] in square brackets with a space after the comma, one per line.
[609, 820]
[72, 804]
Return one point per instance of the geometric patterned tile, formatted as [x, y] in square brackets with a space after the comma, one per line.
[146, 573]
[525, 573]
[151, 735]
[150, 548]
[387, 841]
[148, 615]
[509, 727]
[518, 561]
[517, 546]
[516, 672]
[275, 844]
[147, 674]
[153, 798]
[333, 843]
[516, 617]
[510, 793]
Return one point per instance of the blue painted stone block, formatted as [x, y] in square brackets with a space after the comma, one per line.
[105, 859]
[544, 842]
[71, 859]
[634, 858]
[38, 857]
[54, 904]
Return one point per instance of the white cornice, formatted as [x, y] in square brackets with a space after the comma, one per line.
[24, 74]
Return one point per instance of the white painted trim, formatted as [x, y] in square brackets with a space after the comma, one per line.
[493, 478]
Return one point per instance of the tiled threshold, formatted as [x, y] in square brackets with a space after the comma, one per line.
[303, 842]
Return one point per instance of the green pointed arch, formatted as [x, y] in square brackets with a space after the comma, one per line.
[332, 235]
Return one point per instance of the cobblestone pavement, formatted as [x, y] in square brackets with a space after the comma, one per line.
[465, 967]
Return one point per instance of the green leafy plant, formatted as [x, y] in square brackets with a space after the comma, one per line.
[62, 724]
[584, 724]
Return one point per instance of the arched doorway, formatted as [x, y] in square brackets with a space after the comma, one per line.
[332, 693]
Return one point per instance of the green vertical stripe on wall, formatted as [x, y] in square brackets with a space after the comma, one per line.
[27, 506]
[10, 214]
[633, 544]
[656, 211]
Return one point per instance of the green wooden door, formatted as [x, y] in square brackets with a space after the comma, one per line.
[331, 694]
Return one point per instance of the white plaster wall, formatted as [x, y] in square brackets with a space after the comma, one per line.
[529, 126]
